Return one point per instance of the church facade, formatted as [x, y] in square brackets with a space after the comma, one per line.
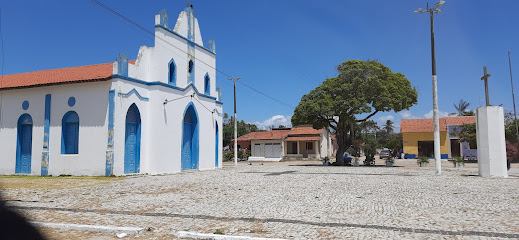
[161, 113]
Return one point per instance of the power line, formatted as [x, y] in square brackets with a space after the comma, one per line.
[153, 34]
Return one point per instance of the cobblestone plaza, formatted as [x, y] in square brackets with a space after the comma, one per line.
[292, 200]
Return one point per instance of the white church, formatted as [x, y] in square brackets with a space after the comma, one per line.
[161, 113]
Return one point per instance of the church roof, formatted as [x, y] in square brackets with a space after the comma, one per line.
[89, 73]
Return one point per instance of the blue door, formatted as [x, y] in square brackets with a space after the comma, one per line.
[24, 144]
[132, 140]
[216, 147]
[189, 158]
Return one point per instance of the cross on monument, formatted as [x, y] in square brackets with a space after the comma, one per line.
[485, 78]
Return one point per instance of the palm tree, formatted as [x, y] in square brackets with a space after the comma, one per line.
[461, 107]
[389, 126]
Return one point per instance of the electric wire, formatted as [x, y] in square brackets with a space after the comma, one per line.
[2, 77]
[153, 34]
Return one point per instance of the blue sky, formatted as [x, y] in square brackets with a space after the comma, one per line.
[287, 48]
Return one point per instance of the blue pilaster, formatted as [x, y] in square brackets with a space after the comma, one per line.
[110, 146]
[122, 64]
[46, 131]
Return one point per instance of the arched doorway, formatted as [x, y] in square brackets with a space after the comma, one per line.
[132, 140]
[190, 138]
[24, 144]
[216, 146]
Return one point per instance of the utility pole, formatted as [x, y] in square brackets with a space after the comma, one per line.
[436, 120]
[513, 97]
[235, 124]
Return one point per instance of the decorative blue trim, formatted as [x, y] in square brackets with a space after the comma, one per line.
[190, 19]
[25, 105]
[72, 101]
[133, 118]
[409, 156]
[195, 139]
[110, 147]
[172, 80]
[122, 64]
[46, 130]
[191, 74]
[444, 156]
[217, 112]
[189, 41]
[207, 84]
[23, 165]
[216, 144]
[165, 85]
[218, 102]
[133, 91]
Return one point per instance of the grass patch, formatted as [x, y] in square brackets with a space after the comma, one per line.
[49, 182]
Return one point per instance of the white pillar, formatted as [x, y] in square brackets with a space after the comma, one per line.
[490, 132]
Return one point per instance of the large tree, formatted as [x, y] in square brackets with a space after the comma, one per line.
[361, 90]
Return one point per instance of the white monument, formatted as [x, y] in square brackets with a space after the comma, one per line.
[490, 135]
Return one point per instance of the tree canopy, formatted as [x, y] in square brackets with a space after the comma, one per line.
[361, 89]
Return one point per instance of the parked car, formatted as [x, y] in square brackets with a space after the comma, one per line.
[385, 153]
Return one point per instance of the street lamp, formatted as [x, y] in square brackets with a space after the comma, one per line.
[437, 153]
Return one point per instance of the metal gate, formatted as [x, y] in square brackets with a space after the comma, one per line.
[272, 150]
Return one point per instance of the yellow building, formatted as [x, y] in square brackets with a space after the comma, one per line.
[418, 138]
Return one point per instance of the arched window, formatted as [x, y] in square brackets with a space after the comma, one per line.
[172, 72]
[207, 86]
[190, 66]
[70, 133]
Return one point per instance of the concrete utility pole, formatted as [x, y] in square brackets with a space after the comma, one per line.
[436, 120]
[513, 97]
[485, 78]
[235, 124]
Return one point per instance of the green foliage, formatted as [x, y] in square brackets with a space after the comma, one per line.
[461, 108]
[457, 160]
[388, 127]
[362, 87]
[228, 156]
[370, 146]
[228, 129]
[466, 133]
[218, 231]
[394, 142]
[422, 159]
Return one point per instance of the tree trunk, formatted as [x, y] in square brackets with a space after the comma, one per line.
[343, 141]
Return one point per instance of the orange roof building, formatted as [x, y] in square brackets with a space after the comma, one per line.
[418, 138]
[160, 113]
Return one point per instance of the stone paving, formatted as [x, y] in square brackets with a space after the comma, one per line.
[293, 200]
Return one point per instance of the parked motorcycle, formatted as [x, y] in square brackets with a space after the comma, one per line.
[370, 160]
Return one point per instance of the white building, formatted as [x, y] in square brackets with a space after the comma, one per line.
[161, 113]
[297, 143]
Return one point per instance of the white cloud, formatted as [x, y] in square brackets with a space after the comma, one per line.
[274, 121]
[406, 114]
[385, 118]
[440, 114]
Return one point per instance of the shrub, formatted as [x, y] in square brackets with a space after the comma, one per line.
[422, 159]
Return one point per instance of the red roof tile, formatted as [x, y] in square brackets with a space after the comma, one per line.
[460, 120]
[426, 125]
[271, 135]
[97, 72]
[304, 130]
